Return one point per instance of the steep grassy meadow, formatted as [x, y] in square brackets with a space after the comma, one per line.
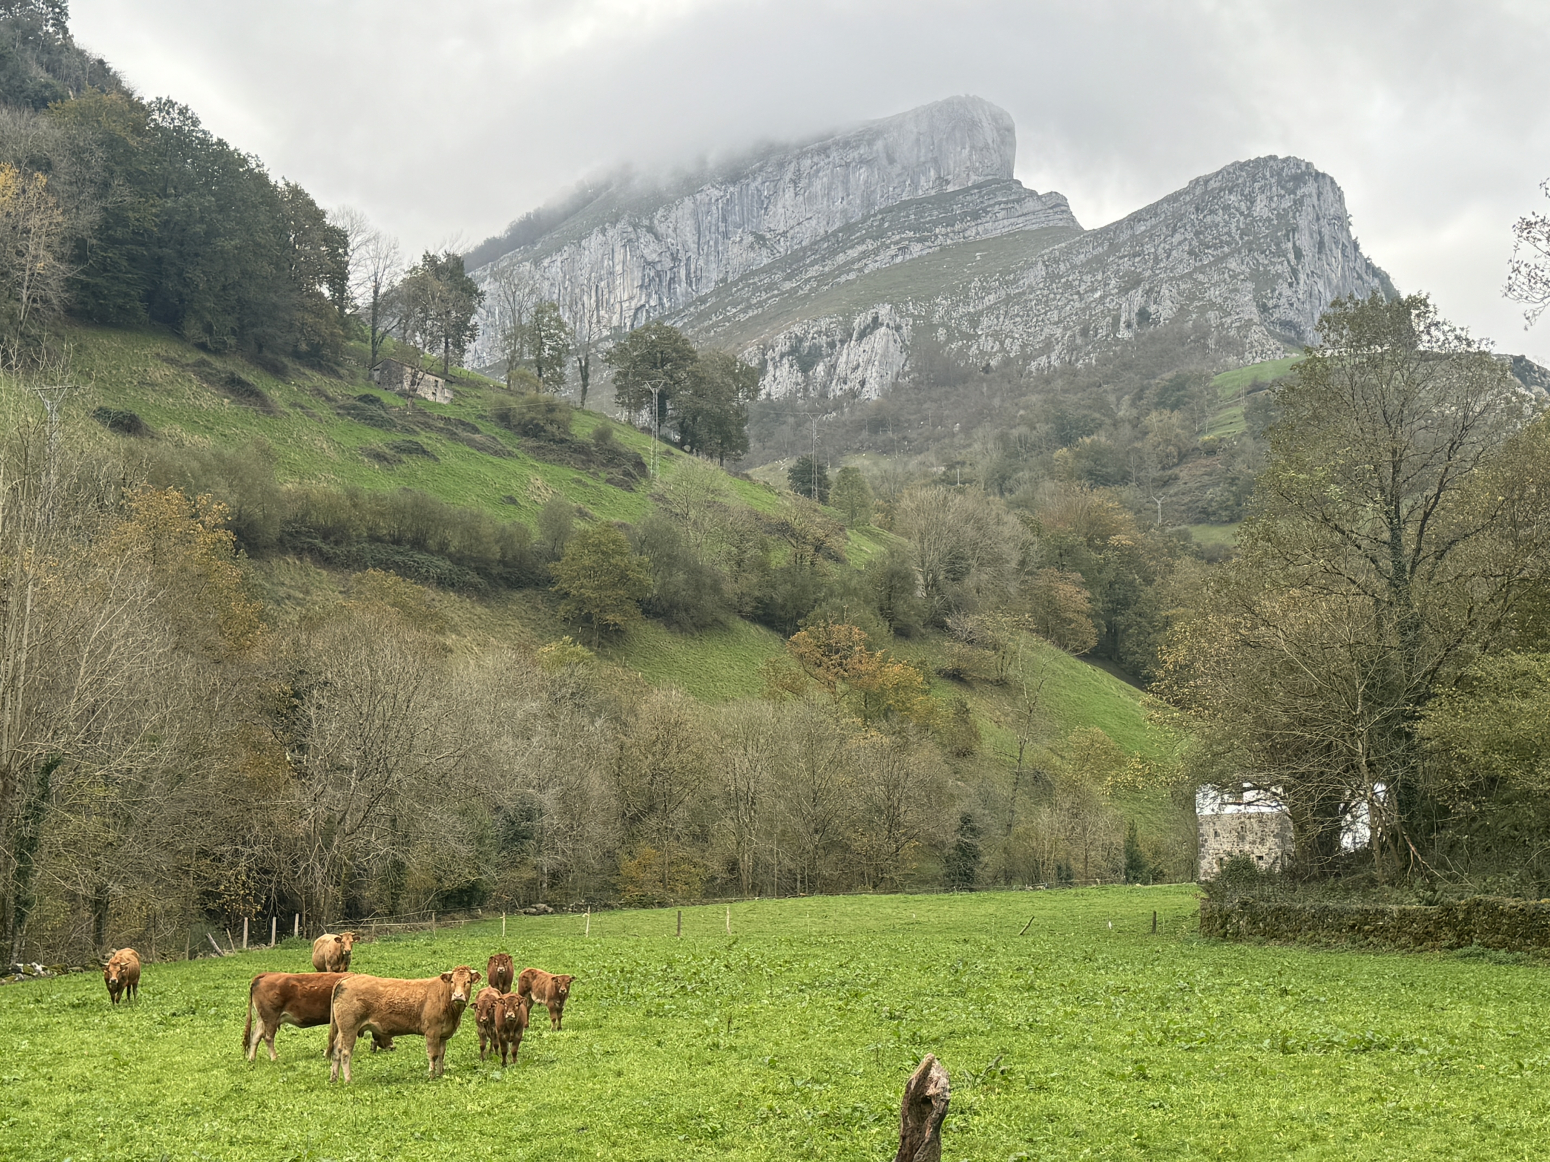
[311, 426]
[1087, 1037]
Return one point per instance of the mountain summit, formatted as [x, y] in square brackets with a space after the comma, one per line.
[828, 263]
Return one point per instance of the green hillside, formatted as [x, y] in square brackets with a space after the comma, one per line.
[320, 429]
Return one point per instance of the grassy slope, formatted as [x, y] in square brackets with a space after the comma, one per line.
[1227, 420]
[1086, 1037]
[150, 373]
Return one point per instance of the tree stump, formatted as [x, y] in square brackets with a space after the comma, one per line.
[921, 1113]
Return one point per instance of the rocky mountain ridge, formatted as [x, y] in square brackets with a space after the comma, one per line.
[828, 264]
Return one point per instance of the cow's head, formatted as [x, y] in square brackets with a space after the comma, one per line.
[345, 941]
[512, 1014]
[562, 987]
[462, 979]
[112, 971]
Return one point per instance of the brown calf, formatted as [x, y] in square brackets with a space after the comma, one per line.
[430, 1008]
[331, 953]
[502, 1019]
[290, 998]
[122, 974]
[546, 989]
[500, 972]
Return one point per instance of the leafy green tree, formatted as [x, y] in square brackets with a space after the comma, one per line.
[549, 339]
[437, 304]
[1396, 528]
[318, 269]
[962, 865]
[601, 581]
[654, 362]
[852, 495]
[711, 411]
[809, 478]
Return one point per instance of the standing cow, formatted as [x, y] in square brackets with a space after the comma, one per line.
[547, 989]
[500, 972]
[122, 974]
[502, 1019]
[301, 999]
[331, 952]
[430, 1008]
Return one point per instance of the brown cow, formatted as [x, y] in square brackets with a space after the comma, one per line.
[331, 953]
[500, 972]
[546, 989]
[430, 1008]
[122, 974]
[502, 1019]
[301, 999]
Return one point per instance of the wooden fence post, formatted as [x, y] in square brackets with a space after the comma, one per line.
[680, 923]
[921, 1112]
[433, 924]
[503, 925]
[1154, 923]
[244, 933]
[274, 930]
[729, 919]
[588, 932]
[296, 928]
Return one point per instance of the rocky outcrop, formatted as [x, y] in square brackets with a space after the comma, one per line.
[828, 265]
[1252, 254]
[646, 248]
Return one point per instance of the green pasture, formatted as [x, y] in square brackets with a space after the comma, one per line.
[1086, 1037]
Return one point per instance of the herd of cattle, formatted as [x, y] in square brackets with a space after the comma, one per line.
[386, 1007]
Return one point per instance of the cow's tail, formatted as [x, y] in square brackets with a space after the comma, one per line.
[247, 1030]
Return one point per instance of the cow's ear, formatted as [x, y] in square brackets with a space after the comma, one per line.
[447, 976]
[474, 979]
[338, 939]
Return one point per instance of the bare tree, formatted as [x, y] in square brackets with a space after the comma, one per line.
[1528, 278]
[750, 746]
[584, 313]
[513, 296]
[373, 744]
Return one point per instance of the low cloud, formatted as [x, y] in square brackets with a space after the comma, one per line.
[454, 118]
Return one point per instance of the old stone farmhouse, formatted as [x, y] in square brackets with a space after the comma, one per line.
[1244, 822]
[391, 375]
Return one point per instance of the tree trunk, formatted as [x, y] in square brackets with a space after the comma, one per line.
[921, 1113]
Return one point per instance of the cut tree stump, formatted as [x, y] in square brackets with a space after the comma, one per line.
[921, 1113]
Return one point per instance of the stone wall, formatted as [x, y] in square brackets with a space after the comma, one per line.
[1264, 836]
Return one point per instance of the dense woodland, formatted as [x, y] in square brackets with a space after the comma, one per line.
[178, 749]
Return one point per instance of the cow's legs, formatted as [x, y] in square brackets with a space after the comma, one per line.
[435, 1050]
[342, 1049]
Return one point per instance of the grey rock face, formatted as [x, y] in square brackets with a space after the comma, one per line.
[646, 250]
[827, 265]
[1253, 254]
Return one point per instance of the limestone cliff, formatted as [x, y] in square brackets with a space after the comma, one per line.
[650, 246]
[1253, 254]
[827, 264]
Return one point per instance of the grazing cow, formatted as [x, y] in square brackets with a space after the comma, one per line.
[331, 953]
[500, 972]
[122, 974]
[546, 989]
[301, 999]
[502, 1019]
[430, 1008]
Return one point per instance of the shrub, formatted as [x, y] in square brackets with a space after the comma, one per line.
[538, 417]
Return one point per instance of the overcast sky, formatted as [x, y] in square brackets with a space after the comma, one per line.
[446, 120]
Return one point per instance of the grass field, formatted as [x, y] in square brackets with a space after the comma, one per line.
[793, 1037]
